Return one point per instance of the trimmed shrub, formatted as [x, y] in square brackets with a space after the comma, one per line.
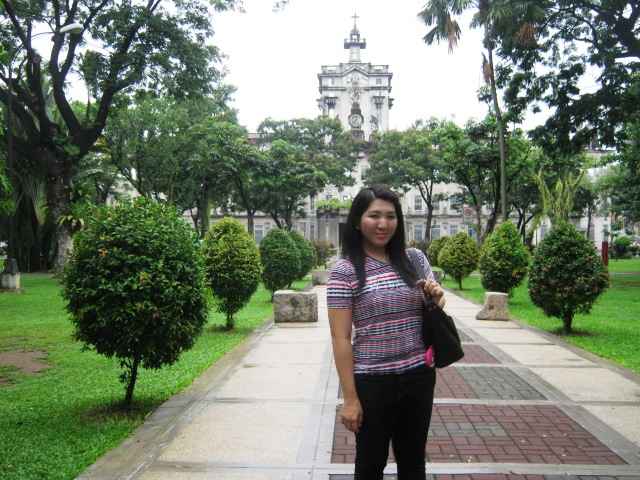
[134, 286]
[504, 260]
[459, 257]
[280, 260]
[434, 250]
[307, 254]
[621, 246]
[566, 275]
[323, 251]
[233, 268]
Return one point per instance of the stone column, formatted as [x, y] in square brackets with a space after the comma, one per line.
[322, 225]
[334, 230]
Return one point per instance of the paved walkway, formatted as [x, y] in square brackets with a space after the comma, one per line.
[521, 405]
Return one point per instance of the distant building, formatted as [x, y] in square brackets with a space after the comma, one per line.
[358, 94]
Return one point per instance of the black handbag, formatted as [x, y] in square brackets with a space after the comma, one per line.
[438, 328]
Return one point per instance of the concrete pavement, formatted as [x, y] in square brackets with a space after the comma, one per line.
[522, 404]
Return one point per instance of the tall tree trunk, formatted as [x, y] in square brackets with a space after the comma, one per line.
[500, 122]
[58, 198]
[250, 222]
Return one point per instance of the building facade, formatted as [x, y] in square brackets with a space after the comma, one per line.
[358, 93]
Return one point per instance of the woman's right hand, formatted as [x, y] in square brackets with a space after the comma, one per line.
[351, 415]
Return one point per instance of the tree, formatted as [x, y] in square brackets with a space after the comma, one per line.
[296, 180]
[232, 261]
[280, 260]
[6, 203]
[174, 151]
[504, 260]
[434, 250]
[473, 163]
[137, 48]
[459, 257]
[406, 160]
[566, 275]
[134, 286]
[558, 204]
[622, 184]
[490, 14]
[571, 42]
[588, 199]
[322, 141]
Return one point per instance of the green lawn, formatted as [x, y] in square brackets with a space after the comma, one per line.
[610, 330]
[56, 423]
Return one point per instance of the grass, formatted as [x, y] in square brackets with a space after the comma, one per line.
[609, 331]
[58, 422]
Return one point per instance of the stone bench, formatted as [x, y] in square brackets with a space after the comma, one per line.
[320, 277]
[496, 307]
[290, 306]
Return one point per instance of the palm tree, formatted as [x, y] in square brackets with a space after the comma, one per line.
[490, 14]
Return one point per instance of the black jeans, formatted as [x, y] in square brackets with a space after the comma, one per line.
[396, 408]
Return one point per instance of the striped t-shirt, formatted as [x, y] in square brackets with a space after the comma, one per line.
[387, 315]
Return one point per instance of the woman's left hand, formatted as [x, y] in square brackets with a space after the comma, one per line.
[432, 289]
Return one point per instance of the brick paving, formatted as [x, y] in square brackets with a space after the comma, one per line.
[476, 354]
[510, 476]
[466, 427]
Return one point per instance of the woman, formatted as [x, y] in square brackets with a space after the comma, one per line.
[386, 382]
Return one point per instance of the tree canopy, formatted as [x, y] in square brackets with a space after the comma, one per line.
[157, 47]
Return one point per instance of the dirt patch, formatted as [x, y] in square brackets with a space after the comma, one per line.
[29, 363]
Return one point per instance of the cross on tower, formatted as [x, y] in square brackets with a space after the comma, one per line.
[355, 17]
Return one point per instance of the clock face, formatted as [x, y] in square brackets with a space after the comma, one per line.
[355, 120]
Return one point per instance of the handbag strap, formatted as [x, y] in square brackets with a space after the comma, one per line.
[418, 266]
[416, 263]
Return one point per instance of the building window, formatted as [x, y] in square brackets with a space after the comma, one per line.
[436, 206]
[345, 198]
[312, 232]
[453, 205]
[312, 204]
[258, 233]
[592, 234]
[332, 81]
[417, 203]
[472, 232]
[328, 196]
[295, 228]
[378, 81]
[453, 229]
[435, 232]
[417, 233]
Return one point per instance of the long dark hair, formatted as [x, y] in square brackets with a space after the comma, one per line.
[352, 248]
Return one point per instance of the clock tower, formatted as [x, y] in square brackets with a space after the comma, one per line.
[357, 93]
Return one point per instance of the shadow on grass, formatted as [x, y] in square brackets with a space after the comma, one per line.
[136, 411]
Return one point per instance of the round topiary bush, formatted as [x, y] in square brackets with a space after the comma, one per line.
[566, 274]
[233, 267]
[280, 260]
[459, 257]
[134, 286]
[504, 260]
[307, 254]
[434, 250]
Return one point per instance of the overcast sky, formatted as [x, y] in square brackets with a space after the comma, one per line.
[274, 59]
